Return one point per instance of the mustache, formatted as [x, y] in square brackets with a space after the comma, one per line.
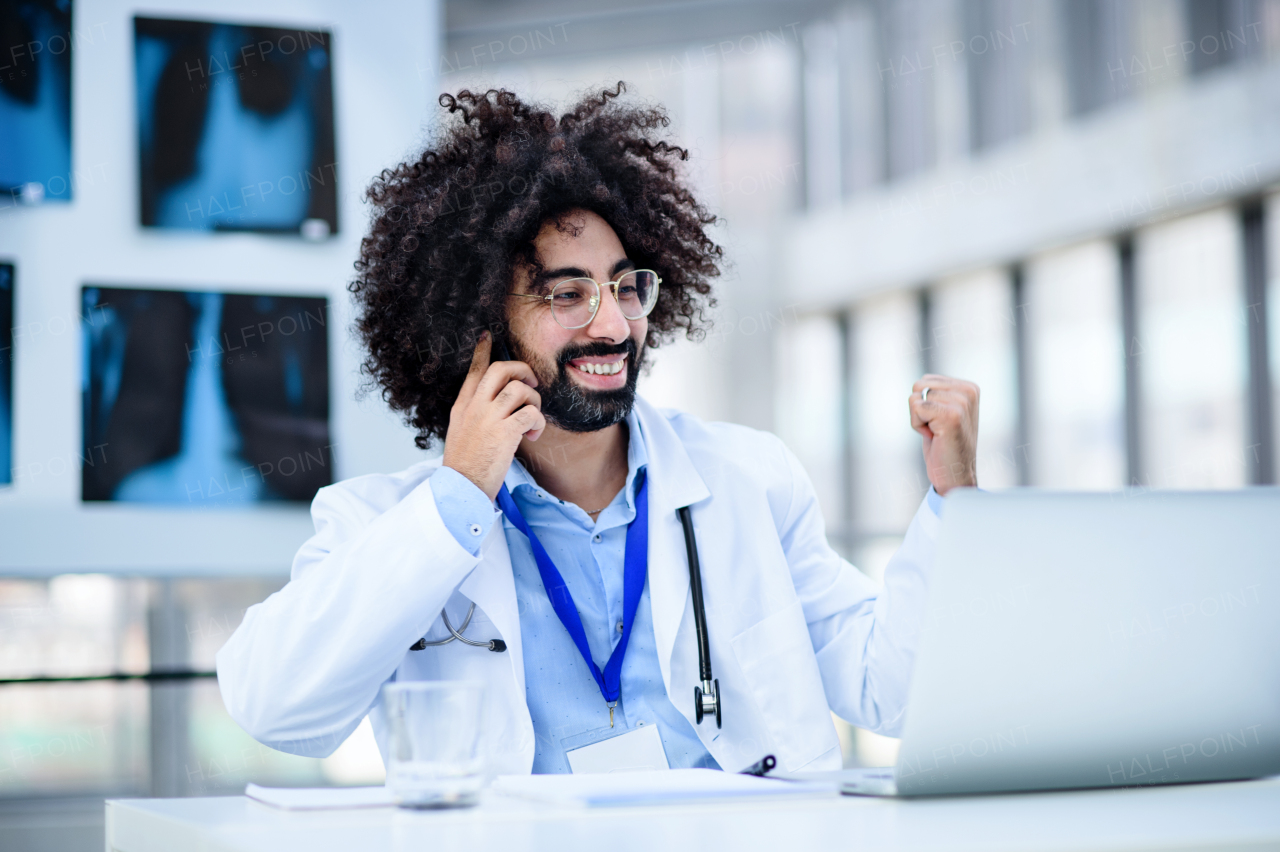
[598, 349]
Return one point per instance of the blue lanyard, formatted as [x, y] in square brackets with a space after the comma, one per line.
[636, 565]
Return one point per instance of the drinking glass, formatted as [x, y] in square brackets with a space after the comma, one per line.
[434, 759]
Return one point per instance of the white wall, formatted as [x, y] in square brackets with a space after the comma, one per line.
[384, 59]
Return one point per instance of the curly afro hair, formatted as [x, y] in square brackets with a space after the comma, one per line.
[450, 229]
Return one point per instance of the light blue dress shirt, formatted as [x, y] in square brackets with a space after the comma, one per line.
[567, 708]
[934, 499]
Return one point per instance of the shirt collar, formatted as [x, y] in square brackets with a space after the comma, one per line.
[518, 477]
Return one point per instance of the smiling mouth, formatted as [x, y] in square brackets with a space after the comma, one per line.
[606, 368]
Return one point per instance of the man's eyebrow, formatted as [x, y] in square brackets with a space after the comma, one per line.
[577, 272]
[563, 272]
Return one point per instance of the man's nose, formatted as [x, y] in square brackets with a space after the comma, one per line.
[609, 321]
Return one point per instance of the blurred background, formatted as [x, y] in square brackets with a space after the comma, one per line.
[1074, 203]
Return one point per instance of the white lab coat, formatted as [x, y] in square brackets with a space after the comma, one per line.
[794, 629]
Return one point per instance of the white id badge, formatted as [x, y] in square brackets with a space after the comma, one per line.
[630, 752]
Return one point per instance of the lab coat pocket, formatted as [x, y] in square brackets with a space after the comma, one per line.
[776, 656]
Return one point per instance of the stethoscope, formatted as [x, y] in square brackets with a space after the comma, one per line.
[493, 644]
[706, 696]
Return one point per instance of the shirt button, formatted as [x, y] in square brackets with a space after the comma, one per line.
[639, 724]
[619, 626]
[475, 529]
[597, 538]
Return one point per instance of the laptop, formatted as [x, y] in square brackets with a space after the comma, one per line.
[1095, 640]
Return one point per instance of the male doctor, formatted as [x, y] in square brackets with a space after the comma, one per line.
[571, 244]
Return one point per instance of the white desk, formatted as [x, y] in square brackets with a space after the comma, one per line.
[1235, 816]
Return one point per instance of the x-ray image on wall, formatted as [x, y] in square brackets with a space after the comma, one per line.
[35, 101]
[235, 127]
[204, 399]
[6, 373]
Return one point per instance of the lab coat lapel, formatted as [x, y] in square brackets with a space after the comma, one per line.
[673, 482]
[492, 586]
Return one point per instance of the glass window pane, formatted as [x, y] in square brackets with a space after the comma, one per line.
[135, 738]
[1075, 364]
[808, 409]
[888, 467]
[222, 758]
[999, 79]
[212, 610]
[1192, 352]
[73, 738]
[1272, 222]
[72, 625]
[909, 96]
[972, 335]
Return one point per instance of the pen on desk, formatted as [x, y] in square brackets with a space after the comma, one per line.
[761, 767]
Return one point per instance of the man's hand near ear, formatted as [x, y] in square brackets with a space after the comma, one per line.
[495, 409]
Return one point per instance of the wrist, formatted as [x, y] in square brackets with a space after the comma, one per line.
[946, 488]
[949, 477]
[490, 489]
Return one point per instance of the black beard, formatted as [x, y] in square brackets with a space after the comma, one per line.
[574, 408]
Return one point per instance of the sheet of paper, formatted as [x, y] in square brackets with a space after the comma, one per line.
[636, 750]
[320, 798]
[661, 787]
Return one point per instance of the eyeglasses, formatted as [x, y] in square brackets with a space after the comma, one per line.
[574, 301]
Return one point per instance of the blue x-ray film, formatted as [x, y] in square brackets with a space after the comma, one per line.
[235, 127]
[204, 399]
[6, 373]
[35, 101]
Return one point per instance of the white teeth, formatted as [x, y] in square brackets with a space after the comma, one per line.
[602, 369]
